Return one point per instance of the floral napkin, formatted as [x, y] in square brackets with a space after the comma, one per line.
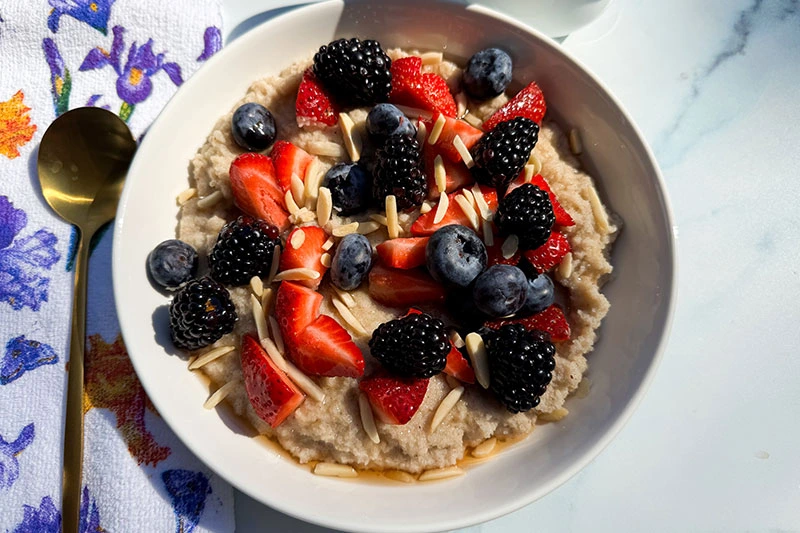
[128, 56]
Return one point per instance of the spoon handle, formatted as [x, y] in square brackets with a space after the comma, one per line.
[73, 427]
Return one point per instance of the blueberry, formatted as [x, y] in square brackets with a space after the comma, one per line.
[540, 295]
[350, 187]
[500, 291]
[351, 262]
[488, 73]
[172, 263]
[455, 256]
[253, 127]
[385, 120]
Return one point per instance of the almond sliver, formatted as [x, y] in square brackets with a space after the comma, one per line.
[334, 470]
[346, 229]
[436, 130]
[485, 448]
[392, 222]
[349, 317]
[368, 419]
[298, 238]
[439, 173]
[297, 274]
[462, 150]
[468, 210]
[186, 195]
[260, 319]
[211, 355]
[445, 407]
[352, 140]
[324, 206]
[277, 336]
[441, 473]
[210, 200]
[298, 190]
[441, 209]
[220, 394]
[477, 355]
[510, 246]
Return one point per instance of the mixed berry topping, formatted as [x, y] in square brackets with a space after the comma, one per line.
[200, 314]
[501, 153]
[414, 346]
[244, 249]
[398, 171]
[356, 72]
[172, 263]
[253, 127]
[527, 213]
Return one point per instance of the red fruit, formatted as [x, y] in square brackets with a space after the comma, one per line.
[562, 217]
[289, 160]
[455, 215]
[401, 288]
[403, 253]
[424, 91]
[295, 308]
[551, 320]
[271, 393]
[458, 367]
[452, 127]
[313, 106]
[394, 400]
[458, 175]
[309, 255]
[256, 191]
[529, 103]
[495, 254]
[325, 348]
[550, 253]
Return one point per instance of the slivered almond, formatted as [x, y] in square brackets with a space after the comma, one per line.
[303, 216]
[461, 104]
[555, 416]
[291, 205]
[468, 210]
[414, 112]
[304, 382]
[334, 470]
[564, 269]
[326, 149]
[345, 296]
[298, 238]
[483, 207]
[352, 140]
[441, 209]
[220, 394]
[575, 143]
[258, 316]
[399, 475]
[325, 260]
[298, 190]
[598, 211]
[349, 317]
[485, 448]
[277, 336]
[365, 228]
[273, 268]
[431, 58]
[445, 407]
[422, 132]
[510, 246]
[530, 172]
[312, 180]
[346, 229]
[368, 419]
[380, 219]
[536, 163]
[425, 207]
[477, 355]
[210, 200]
[458, 341]
[436, 129]
[461, 148]
[441, 473]
[327, 245]
[324, 206]
[266, 299]
[469, 196]
[473, 120]
[439, 174]
[275, 354]
[257, 286]
[296, 274]
[186, 195]
[392, 222]
[488, 233]
[211, 355]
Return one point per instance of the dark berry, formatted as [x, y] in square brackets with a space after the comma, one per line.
[350, 187]
[200, 314]
[385, 120]
[356, 72]
[488, 73]
[414, 346]
[244, 249]
[253, 127]
[461, 306]
[455, 256]
[500, 290]
[521, 365]
[172, 263]
[398, 171]
[540, 295]
[527, 213]
[500, 154]
[351, 262]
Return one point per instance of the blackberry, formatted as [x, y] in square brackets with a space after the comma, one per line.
[414, 346]
[527, 213]
[356, 72]
[398, 171]
[200, 314]
[521, 365]
[244, 249]
[500, 154]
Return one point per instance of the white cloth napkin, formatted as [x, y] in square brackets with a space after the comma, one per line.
[128, 56]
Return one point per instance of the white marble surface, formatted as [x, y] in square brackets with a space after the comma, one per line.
[715, 446]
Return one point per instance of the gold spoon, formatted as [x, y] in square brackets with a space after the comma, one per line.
[83, 158]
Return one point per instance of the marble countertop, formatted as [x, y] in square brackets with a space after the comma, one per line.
[714, 445]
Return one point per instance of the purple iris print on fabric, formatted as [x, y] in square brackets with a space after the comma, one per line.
[212, 42]
[9, 453]
[22, 355]
[89, 518]
[45, 519]
[23, 260]
[133, 77]
[188, 491]
[95, 13]
[60, 79]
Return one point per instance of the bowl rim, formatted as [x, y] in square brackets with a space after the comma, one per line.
[578, 462]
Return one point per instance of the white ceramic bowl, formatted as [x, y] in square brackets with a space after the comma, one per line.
[633, 334]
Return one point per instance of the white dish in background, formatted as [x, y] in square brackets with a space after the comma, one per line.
[633, 334]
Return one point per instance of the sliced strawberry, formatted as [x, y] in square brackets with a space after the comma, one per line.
[458, 366]
[401, 288]
[295, 308]
[403, 253]
[326, 349]
[256, 190]
[289, 160]
[551, 320]
[452, 127]
[308, 255]
[529, 103]
[458, 175]
[271, 393]
[495, 254]
[550, 253]
[313, 106]
[424, 91]
[424, 225]
[394, 400]
[562, 217]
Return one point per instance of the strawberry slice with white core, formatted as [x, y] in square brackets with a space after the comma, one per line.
[458, 367]
[256, 191]
[308, 254]
[270, 391]
[403, 253]
[528, 103]
[289, 160]
[296, 307]
[325, 348]
[412, 87]
[314, 107]
[394, 400]
[550, 254]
